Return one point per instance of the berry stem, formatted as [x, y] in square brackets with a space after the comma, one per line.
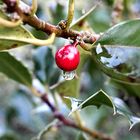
[75, 43]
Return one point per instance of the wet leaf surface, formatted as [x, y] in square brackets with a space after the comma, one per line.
[101, 98]
[120, 63]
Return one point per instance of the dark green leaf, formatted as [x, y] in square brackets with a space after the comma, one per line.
[9, 136]
[101, 98]
[98, 99]
[14, 69]
[122, 109]
[125, 34]
[120, 63]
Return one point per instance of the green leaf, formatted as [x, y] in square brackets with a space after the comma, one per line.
[120, 63]
[14, 69]
[68, 88]
[9, 136]
[13, 37]
[122, 109]
[125, 34]
[101, 98]
[97, 99]
[45, 67]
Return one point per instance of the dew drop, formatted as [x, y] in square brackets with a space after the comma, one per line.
[68, 75]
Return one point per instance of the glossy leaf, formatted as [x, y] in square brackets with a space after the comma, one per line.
[101, 98]
[14, 69]
[120, 63]
[124, 34]
[122, 109]
[97, 99]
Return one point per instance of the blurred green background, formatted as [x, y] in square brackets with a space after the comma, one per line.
[23, 116]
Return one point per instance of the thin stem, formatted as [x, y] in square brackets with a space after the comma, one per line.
[47, 27]
[33, 7]
[40, 42]
[84, 16]
[36, 41]
[35, 92]
[77, 117]
[10, 24]
[71, 123]
[70, 13]
[65, 121]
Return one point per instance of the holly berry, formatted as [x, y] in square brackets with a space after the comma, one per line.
[67, 58]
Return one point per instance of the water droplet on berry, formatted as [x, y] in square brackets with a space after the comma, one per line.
[68, 75]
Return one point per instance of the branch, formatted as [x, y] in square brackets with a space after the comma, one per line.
[34, 21]
[70, 123]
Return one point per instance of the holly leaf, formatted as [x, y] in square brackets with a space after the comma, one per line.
[97, 99]
[123, 34]
[14, 69]
[101, 98]
[122, 109]
[122, 66]
[12, 37]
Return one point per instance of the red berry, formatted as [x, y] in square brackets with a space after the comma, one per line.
[67, 58]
